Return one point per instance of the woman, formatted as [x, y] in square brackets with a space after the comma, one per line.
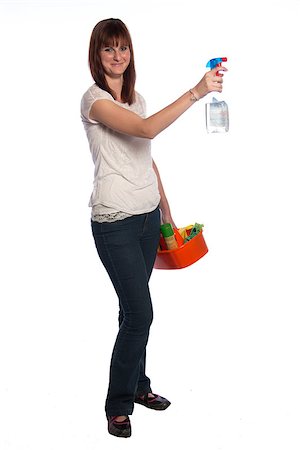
[128, 204]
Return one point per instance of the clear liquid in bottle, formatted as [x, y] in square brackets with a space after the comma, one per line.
[217, 116]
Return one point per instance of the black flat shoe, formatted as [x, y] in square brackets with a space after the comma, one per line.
[157, 402]
[119, 429]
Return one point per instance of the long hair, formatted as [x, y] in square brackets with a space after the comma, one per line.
[106, 33]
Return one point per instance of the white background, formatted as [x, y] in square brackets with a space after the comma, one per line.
[224, 345]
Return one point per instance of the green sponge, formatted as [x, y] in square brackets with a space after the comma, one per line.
[197, 228]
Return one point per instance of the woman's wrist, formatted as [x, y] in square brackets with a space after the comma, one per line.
[194, 97]
[166, 216]
[165, 210]
[198, 91]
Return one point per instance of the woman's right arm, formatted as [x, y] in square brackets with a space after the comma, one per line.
[127, 122]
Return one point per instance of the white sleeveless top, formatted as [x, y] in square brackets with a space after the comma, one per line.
[124, 179]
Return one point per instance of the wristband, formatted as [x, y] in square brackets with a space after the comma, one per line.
[193, 96]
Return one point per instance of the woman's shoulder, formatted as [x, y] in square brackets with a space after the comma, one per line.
[95, 92]
[89, 97]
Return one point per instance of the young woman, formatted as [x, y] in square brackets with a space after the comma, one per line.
[128, 205]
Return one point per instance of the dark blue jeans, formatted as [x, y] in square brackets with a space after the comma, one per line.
[127, 249]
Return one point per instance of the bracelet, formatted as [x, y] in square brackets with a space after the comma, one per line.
[193, 97]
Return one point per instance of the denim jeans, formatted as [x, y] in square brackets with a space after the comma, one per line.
[127, 249]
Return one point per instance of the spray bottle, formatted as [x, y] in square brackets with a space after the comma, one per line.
[216, 112]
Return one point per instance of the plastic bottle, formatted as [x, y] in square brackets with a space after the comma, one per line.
[169, 237]
[216, 112]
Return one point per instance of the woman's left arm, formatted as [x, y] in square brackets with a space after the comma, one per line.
[164, 204]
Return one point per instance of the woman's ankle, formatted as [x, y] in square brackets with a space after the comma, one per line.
[120, 418]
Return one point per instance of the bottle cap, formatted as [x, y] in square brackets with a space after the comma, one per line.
[166, 230]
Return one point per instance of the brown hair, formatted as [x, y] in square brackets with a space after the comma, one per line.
[106, 33]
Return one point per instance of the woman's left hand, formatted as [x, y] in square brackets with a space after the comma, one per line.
[167, 218]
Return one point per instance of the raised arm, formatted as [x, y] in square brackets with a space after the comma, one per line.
[120, 119]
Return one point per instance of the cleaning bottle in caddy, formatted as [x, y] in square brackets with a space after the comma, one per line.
[216, 111]
[169, 236]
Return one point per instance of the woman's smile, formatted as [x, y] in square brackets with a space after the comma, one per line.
[115, 58]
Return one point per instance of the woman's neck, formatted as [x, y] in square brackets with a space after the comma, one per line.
[115, 85]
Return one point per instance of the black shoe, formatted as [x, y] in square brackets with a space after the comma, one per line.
[119, 429]
[157, 402]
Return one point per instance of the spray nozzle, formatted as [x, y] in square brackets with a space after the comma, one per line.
[215, 62]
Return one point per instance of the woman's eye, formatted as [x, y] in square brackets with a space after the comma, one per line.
[124, 48]
[108, 49]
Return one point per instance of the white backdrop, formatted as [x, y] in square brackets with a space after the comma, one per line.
[224, 344]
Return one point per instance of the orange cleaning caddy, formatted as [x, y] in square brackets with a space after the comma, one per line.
[191, 246]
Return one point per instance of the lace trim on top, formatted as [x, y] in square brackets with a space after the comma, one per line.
[110, 217]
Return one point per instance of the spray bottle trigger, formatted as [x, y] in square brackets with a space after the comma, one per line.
[216, 62]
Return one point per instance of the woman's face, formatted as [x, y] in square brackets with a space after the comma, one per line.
[115, 60]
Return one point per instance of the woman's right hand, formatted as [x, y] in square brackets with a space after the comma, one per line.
[210, 82]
